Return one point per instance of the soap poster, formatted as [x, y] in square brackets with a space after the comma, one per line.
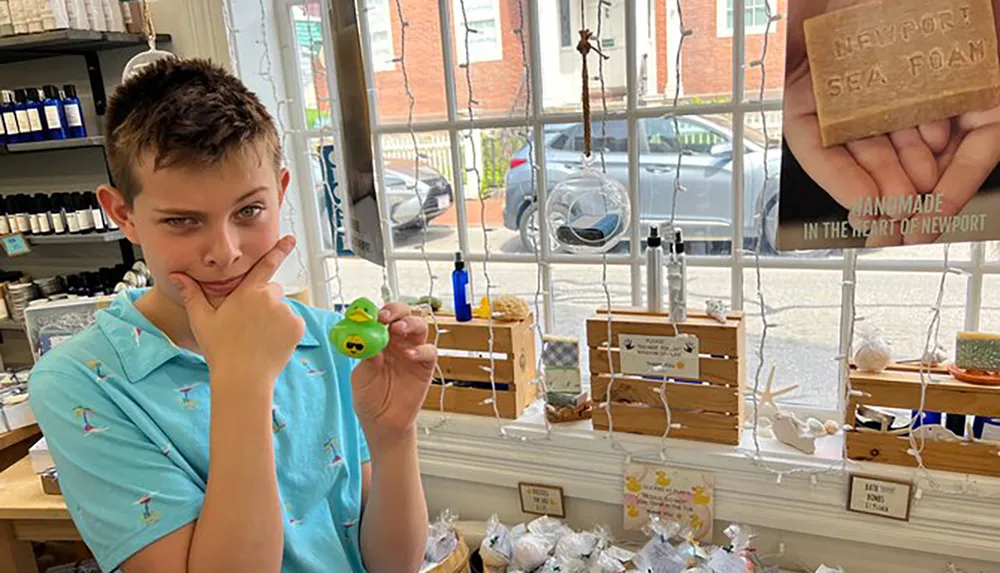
[677, 495]
[365, 231]
[891, 128]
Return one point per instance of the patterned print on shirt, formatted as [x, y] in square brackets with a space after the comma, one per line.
[186, 400]
[332, 448]
[310, 370]
[149, 516]
[88, 416]
[99, 370]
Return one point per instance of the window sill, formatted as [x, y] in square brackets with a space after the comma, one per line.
[587, 466]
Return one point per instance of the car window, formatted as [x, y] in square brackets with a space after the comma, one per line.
[694, 137]
[613, 135]
[697, 138]
[660, 135]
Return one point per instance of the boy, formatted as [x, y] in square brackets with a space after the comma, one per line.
[212, 359]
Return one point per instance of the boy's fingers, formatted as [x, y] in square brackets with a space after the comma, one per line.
[413, 328]
[264, 269]
[191, 295]
[393, 312]
[425, 354]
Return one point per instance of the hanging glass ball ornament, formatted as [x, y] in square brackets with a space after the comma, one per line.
[589, 211]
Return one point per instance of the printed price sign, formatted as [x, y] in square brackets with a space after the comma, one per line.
[661, 356]
[684, 496]
[542, 499]
[879, 497]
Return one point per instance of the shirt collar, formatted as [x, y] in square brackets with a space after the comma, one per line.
[140, 345]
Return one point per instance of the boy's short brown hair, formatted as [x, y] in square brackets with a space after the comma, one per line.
[187, 112]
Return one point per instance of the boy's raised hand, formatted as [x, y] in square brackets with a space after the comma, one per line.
[253, 333]
[389, 389]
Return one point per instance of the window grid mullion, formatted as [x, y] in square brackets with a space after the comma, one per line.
[739, 208]
[974, 288]
[635, 191]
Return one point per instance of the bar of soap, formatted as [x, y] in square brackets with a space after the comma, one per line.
[891, 64]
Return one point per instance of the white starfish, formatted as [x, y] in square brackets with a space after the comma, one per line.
[766, 405]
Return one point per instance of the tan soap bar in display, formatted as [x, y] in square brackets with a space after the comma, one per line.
[891, 64]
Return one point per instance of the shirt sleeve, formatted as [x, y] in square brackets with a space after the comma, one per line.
[122, 489]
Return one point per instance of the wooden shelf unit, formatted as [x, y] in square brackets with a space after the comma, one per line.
[899, 387]
[464, 356]
[708, 409]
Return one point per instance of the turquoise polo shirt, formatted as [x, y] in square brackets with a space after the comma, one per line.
[125, 413]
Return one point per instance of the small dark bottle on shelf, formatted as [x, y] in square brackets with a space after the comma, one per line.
[84, 217]
[55, 118]
[11, 201]
[96, 213]
[56, 216]
[4, 225]
[69, 210]
[23, 216]
[36, 228]
[44, 222]
[74, 113]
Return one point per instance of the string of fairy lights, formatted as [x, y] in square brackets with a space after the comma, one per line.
[849, 281]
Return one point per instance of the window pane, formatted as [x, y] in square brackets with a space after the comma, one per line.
[579, 293]
[504, 174]
[424, 66]
[706, 67]
[565, 24]
[358, 277]
[806, 306]
[989, 316]
[775, 60]
[561, 66]
[420, 192]
[499, 76]
[308, 30]
[326, 187]
[705, 204]
[564, 157]
[899, 305]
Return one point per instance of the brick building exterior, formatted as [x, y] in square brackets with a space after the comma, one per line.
[706, 63]
[495, 83]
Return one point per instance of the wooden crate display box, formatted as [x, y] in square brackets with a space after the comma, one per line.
[899, 387]
[708, 409]
[513, 364]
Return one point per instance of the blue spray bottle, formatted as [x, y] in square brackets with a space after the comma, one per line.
[74, 114]
[34, 110]
[462, 290]
[55, 119]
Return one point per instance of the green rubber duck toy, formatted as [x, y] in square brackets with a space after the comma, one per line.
[359, 334]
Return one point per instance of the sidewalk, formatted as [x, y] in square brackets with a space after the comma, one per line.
[473, 210]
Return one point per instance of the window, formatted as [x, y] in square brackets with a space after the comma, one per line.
[754, 16]
[380, 33]
[565, 24]
[483, 17]
[802, 291]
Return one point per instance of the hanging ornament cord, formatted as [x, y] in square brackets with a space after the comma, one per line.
[147, 25]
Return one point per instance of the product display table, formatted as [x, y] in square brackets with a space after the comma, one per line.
[14, 444]
[27, 514]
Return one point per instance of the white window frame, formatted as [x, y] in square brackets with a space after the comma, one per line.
[724, 31]
[495, 51]
[388, 48]
[738, 262]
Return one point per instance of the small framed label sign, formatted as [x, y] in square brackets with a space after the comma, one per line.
[14, 245]
[662, 356]
[884, 498]
[542, 499]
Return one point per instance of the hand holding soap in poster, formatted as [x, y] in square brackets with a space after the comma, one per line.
[891, 123]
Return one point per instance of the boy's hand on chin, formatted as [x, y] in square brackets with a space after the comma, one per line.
[252, 333]
[389, 389]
